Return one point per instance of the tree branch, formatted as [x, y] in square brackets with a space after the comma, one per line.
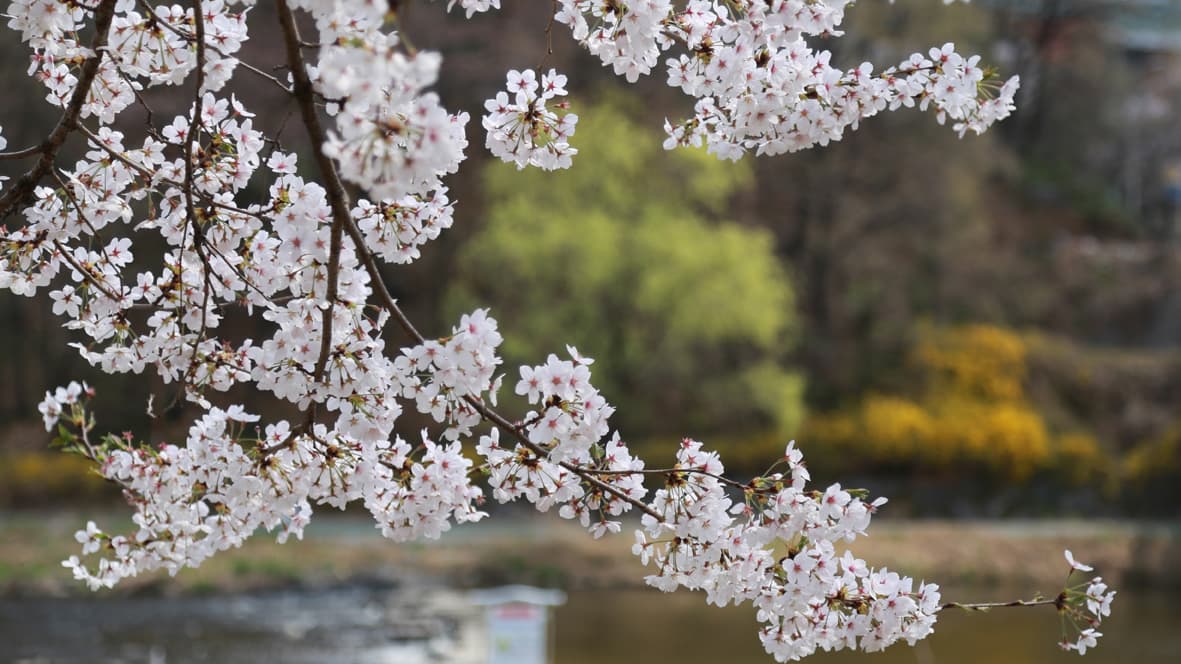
[24, 185]
[337, 196]
[342, 220]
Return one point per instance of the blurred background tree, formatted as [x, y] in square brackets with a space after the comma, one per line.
[628, 257]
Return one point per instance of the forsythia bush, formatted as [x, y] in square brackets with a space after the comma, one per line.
[974, 361]
[42, 477]
[971, 412]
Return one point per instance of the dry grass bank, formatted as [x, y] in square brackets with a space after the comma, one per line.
[544, 551]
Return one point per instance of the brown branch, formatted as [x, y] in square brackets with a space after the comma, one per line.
[337, 196]
[195, 121]
[24, 185]
[342, 220]
[86, 275]
[195, 124]
[674, 471]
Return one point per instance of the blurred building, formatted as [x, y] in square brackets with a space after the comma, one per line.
[1138, 25]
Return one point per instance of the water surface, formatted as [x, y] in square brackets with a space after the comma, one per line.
[383, 625]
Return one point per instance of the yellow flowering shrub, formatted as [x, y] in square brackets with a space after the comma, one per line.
[980, 361]
[895, 428]
[1009, 439]
[43, 477]
[971, 412]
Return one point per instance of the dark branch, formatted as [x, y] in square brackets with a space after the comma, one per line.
[342, 220]
[24, 185]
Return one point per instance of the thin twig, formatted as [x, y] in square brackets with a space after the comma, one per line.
[86, 275]
[22, 154]
[985, 606]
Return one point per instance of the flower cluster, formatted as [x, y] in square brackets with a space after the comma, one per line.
[1083, 608]
[394, 138]
[56, 403]
[441, 376]
[523, 130]
[195, 500]
[628, 36]
[397, 229]
[410, 499]
[212, 493]
[814, 597]
[561, 458]
[573, 414]
[142, 50]
[760, 86]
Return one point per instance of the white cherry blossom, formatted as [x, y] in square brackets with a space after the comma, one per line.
[303, 258]
[523, 129]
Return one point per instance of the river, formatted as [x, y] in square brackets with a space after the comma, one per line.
[359, 625]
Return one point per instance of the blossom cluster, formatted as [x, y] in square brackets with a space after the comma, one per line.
[441, 376]
[1083, 608]
[562, 458]
[56, 403]
[245, 233]
[392, 140]
[523, 130]
[814, 597]
[396, 230]
[143, 50]
[225, 482]
[194, 501]
[573, 413]
[759, 85]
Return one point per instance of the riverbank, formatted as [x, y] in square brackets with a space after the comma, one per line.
[344, 549]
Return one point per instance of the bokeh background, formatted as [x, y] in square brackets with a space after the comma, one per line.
[981, 329]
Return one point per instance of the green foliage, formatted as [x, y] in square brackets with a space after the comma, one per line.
[1150, 473]
[623, 257]
[1155, 460]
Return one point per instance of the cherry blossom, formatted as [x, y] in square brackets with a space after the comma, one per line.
[523, 130]
[1082, 607]
[1075, 565]
[305, 260]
